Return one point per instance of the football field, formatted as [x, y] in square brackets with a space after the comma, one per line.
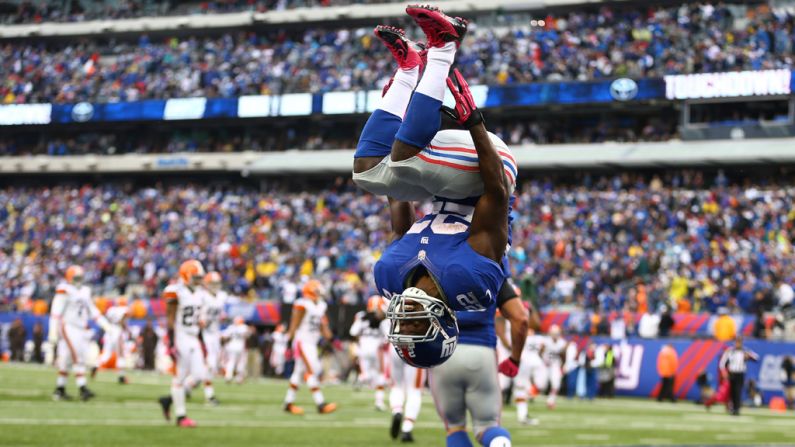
[251, 415]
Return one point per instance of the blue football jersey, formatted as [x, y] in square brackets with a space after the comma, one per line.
[477, 328]
[438, 242]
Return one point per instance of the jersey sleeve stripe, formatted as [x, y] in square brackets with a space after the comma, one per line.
[170, 295]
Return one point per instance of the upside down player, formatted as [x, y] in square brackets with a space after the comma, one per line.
[185, 300]
[71, 309]
[450, 259]
[307, 324]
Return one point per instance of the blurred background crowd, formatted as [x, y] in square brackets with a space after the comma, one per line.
[628, 242]
[502, 49]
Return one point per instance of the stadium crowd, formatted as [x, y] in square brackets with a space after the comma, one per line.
[624, 242]
[330, 135]
[578, 45]
[80, 10]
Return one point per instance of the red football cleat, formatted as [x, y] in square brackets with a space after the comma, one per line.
[438, 27]
[407, 53]
[186, 422]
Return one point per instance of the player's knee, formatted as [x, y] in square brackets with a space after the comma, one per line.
[495, 437]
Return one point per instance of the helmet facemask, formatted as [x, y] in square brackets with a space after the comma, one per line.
[414, 317]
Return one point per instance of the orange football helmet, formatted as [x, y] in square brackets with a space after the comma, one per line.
[376, 303]
[239, 320]
[212, 278]
[74, 271]
[190, 269]
[121, 301]
[311, 289]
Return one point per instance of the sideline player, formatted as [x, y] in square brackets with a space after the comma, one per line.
[235, 336]
[405, 396]
[531, 371]
[183, 308]
[553, 354]
[72, 307]
[115, 339]
[279, 349]
[210, 319]
[449, 260]
[307, 324]
[370, 329]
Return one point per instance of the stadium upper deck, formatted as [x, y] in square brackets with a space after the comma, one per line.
[600, 43]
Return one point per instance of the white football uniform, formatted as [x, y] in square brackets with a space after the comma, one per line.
[278, 350]
[448, 167]
[211, 315]
[72, 308]
[236, 356]
[115, 338]
[190, 356]
[553, 356]
[371, 343]
[307, 337]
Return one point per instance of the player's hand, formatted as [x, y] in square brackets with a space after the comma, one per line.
[466, 113]
[509, 367]
[288, 354]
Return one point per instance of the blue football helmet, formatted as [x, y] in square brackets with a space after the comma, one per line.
[423, 329]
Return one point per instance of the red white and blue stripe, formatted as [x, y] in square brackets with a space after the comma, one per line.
[464, 158]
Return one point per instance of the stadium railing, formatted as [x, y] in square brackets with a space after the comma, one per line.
[650, 154]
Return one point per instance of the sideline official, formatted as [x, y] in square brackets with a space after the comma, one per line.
[734, 360]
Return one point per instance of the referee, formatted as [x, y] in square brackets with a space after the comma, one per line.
[734, 361]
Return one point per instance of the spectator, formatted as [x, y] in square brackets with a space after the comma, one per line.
[16, 339]
[788, 380]
[666, 322]
[785, 294]
[667, 365]
[649, 325]
[148, 345]
[38, 340]
[725, 326]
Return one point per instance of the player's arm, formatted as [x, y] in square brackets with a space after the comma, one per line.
[325, 329]
[56, 313]
[356, 326]
[97, 316]
[514, 311]
[295, 321]
[499, 326]
[488, 233]
[402, 216]
[172, 303]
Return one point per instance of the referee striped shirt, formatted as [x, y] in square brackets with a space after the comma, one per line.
[734, 359]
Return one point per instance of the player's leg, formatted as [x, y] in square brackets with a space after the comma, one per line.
[241, 365]
[415, 384]
[397, 392]
[229, 369]
[78, 338]
[121, 357]
[293, 383]
[555, 378]
[307, 353]
[370, 170]
[380, 382]
[483, 397]
[422, 120]
[540, 378]
[201, 373]
[521, 389]
[185, 347]
[63, 361]
[448, 387]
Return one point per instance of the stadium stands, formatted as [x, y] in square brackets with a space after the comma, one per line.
[613, 42]
[633, 241]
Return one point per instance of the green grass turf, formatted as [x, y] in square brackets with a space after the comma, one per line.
[251, 415]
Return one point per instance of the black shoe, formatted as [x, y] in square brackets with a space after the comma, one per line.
[165, 404]
[394, 430]
[122, 380]
[60, 394]
[406, 436]
[86, 394]
[213, 402]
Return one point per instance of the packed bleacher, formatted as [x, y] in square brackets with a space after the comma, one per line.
[39, 11]
[329, 135]
[624, 242]
[578, 45]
